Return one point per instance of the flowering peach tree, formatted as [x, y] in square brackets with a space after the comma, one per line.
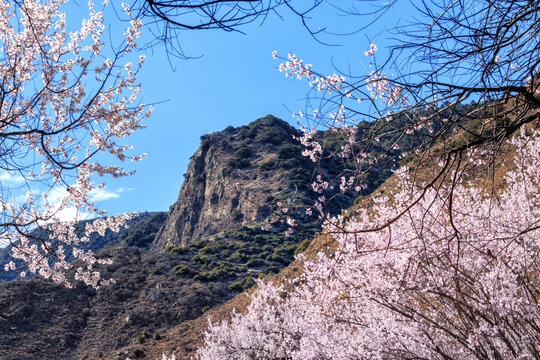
[443, 264]
[67, 102]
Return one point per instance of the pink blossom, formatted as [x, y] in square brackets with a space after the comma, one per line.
[372, 49]
[86, 104]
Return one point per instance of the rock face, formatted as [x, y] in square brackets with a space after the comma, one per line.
[255, 158]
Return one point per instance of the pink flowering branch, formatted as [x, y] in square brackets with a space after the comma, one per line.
[62, 103]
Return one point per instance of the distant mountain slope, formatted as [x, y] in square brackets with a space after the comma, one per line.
[140, 232]
[48, 321]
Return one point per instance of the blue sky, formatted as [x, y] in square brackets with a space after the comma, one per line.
[233, 81]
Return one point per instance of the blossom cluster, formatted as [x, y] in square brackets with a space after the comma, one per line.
[295, 67]
[372, 49]
[382, 87]
[64, 102]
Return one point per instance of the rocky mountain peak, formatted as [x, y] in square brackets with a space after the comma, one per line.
[250, 157]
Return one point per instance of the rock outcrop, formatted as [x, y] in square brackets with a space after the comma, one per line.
[262, 159]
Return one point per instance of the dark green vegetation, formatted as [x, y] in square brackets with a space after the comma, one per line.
[143, 233]
[269, 146]
[237, 257]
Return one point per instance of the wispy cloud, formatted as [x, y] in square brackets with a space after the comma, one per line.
[103, 194]
[71, 213]
[55, 197]
[96, 195]
[12, 179]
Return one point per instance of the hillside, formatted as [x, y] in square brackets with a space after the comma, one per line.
[236, 177]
